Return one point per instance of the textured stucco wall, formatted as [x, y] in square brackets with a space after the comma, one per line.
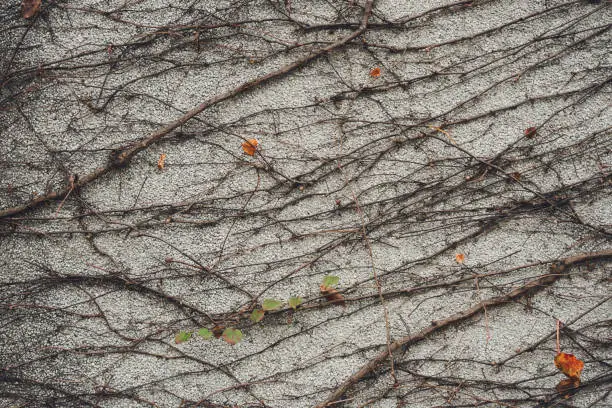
[379, 181]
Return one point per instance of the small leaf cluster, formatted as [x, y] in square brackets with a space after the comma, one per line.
[234, 336]
[270, 305]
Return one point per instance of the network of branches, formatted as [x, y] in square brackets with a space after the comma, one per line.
[427, 181]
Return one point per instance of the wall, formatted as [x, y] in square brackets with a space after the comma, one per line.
[461, 196]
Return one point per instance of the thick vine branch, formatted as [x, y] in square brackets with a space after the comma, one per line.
[557, 271]
[122, 157]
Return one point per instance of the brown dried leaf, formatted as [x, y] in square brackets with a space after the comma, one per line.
[516, 175]
[332, 295]
[29, 8]
[568, 387]
[218, 331]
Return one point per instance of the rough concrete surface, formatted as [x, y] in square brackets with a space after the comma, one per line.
[485, 135]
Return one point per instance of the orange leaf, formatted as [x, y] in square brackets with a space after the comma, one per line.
[161, 161]
[250, 146]
[29, 8]
[375, 72]
[332, 295]
[569, 365]
[460, 258]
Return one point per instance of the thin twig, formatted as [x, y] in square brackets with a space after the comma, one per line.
[534, 285]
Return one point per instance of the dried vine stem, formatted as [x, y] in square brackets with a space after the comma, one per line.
[436, 325]
[144, 253]
[123, 157]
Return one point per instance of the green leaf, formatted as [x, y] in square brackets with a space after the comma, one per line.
[182, 337]
[271, 304]
[295, 301]
[205, 333]
[232, 336]
[330, 281]
[257, 315]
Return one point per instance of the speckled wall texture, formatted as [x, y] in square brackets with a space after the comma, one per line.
[431, 182]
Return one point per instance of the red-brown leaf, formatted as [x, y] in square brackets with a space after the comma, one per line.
[29, 8]
[530, 132]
